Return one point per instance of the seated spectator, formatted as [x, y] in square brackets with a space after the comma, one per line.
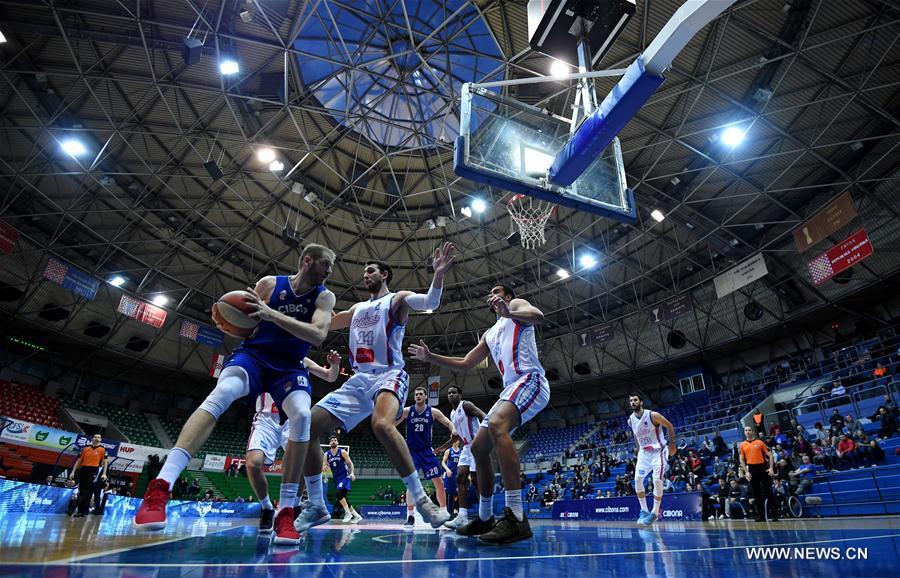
[48, 481]
[889, 404]
[846, 451]
[719, 447]
[208, 495]
[876, 454]
[780, 490]
[888, 423]
[719, 467]
[737, 494]
[802, 478]
[802, 447]
[822, 433]
[836, 422]
[239, 499]
[532, 493]
[852, 427]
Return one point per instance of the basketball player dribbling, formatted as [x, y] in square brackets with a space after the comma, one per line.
[295, 314]
[652, 457]
[511, 342]
[420, 418]
[266, 434]
[379, 385]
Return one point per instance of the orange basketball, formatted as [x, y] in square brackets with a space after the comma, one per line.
[230, 314]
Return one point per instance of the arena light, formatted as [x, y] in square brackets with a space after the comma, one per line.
[160, 300]
[2, 38]
[657, 215]
[479, 206]
[229, 66]
[733, 136]
[73, 147]
[276, 166]
[466, 211]
[117, 281]
[588, 261]
[559, 68]
[265, 155]
[562, 273]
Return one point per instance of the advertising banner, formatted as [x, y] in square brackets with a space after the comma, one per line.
[214, 463]
[741, 275]
[434, 390]
[112, 446]
[397, 513]
[835, 215]
[48, 437]
[140, 453]
[682, 507]
[14, 430]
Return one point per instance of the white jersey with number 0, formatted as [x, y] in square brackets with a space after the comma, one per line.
[464, 425]
[376, 339]
[649, 437]
[514, 349]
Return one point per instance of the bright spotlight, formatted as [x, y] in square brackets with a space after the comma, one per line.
[265, 155]
[276, 166]
[657, 215]
[559, 68]
[562, 274]
[479, 206]
[732, 136]
[117, 281]
[160, 300]
[588, 261]
[229, 67]
[466, 211]
[73, 147]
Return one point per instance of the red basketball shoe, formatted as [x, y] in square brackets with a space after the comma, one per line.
[152, 513]
[284, 527]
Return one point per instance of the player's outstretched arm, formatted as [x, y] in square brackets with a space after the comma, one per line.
[442, 419]
[342, 320]
[444, 463]
[443, 259]
[331, 374]
[313, 332]
[517, 309]
[472, 358]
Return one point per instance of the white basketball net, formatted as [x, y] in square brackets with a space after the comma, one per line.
[531, 216]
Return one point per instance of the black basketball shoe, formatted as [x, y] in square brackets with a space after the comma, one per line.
[266, 521]
[507, 530]
[477, 527]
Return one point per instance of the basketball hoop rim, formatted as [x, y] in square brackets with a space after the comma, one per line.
[521, 219]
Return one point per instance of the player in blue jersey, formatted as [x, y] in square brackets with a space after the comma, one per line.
[420, 419]
[379, 384]
[295, 313]
[341, 466]
[450, 463]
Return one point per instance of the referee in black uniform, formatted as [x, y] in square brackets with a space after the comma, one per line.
[754, 454]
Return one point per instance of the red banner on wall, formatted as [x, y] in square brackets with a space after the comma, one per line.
[840, 257]
[273, 468]
[8, 237]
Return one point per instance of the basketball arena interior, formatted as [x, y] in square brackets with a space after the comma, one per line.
[686, 212]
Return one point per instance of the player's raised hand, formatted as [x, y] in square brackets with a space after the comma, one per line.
[499, 305]
[420, 351]
[334, 358]
[443, 258]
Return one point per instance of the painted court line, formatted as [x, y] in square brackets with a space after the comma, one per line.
[433, 560]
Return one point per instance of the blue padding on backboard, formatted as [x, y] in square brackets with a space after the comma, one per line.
[463, 170]
[601, 127]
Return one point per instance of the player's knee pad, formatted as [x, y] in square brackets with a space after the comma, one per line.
[297, 407]
[639, 486]
[233, 384]
[340, 494]
[658, 486]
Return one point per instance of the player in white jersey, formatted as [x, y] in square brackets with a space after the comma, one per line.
[510, 341]
[376, 337]
[267, 434]
[652, 458]
[466, 419]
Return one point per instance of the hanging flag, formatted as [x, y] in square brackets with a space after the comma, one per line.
[434, 390]
[840, 257]
[8, 237]
[142, 311]
[201, 333]
[68, 277]
[216, 368]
